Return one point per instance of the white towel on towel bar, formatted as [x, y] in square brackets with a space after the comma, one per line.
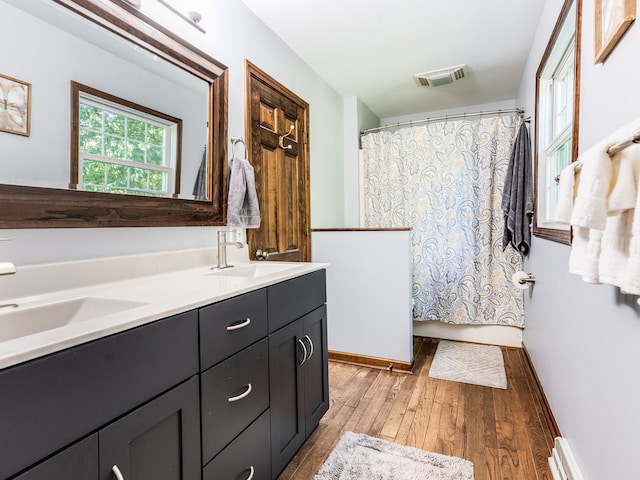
[567, 190]
[605, 213]
[590, 206]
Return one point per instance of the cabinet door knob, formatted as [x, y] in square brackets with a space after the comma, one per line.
[242, 395]
[310, 345]
[304, 348]
[239, 325]
[117, 473]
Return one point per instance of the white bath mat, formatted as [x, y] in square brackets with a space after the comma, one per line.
[469, 363]
[361, 457]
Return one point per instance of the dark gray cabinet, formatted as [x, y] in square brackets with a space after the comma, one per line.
[228, 391]
[289, 300]
[51, 402]
[298, 375]
[298, 372]
[248, 456]
[234, 398]
[234, 393]
[229, 326]
[316, 370]
[159, 441]
[287, 395]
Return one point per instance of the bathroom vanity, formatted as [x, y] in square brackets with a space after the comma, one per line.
[228, 388]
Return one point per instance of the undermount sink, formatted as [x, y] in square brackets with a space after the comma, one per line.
[19, 321]
[254, 270]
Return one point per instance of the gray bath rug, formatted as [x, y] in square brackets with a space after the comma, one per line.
[361, 457]
[469, 363]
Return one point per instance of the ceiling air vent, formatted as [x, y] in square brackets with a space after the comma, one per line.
[444, 76]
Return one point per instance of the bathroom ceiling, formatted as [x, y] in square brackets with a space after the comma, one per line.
[372, 48]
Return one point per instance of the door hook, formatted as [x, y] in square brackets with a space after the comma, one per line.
[282, 137]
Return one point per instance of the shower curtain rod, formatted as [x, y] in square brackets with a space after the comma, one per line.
[519, 111]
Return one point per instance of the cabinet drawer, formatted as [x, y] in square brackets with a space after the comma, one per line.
[231, 325]
[293, 298]
[233, 394]
[246, 454]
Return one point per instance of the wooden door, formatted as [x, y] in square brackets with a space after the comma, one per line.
[277, 123]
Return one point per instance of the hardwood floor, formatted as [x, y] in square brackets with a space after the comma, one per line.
[505, 433]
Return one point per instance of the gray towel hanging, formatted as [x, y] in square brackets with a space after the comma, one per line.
[517, 196]
[200, 185]
[243, 209]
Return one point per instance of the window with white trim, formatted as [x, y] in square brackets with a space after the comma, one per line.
[124, 148]
[556, 97]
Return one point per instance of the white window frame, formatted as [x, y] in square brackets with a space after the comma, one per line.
[551, 136]
[170, 161]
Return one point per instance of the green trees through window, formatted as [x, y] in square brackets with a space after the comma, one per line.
[123, 150]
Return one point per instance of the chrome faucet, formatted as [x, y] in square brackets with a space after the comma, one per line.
[7, 268]
[222, 250]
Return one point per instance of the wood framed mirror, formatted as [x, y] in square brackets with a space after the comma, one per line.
[36, 206]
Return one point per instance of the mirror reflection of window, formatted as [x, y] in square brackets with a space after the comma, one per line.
[124, 148]
[556, 123]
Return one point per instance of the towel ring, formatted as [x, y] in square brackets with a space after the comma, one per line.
[234, 142]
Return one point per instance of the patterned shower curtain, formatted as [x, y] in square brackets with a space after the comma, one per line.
[445, 181]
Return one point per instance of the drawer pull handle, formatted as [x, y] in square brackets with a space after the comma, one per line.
[251, 472]
[242, 395]
[238, 326]
[310, 345]
[117, 473]
[304, 348]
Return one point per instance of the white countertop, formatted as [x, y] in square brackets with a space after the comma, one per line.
[164, 294]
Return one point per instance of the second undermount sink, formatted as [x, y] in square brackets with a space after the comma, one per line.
[255, 270]
[20, 321]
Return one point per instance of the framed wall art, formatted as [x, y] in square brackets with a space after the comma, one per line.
[613, 18]
[15, 106]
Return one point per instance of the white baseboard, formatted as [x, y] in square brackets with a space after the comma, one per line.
[488, 334]
[562, 462]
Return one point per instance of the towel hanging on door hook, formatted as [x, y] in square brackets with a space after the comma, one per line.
[282, 137]
[234, 142]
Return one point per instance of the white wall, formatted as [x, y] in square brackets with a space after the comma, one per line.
[233, 34]
[368, 314]
[584, 339]
[357, 117]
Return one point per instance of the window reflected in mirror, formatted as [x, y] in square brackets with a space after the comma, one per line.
[557, 95]
[123, 147]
